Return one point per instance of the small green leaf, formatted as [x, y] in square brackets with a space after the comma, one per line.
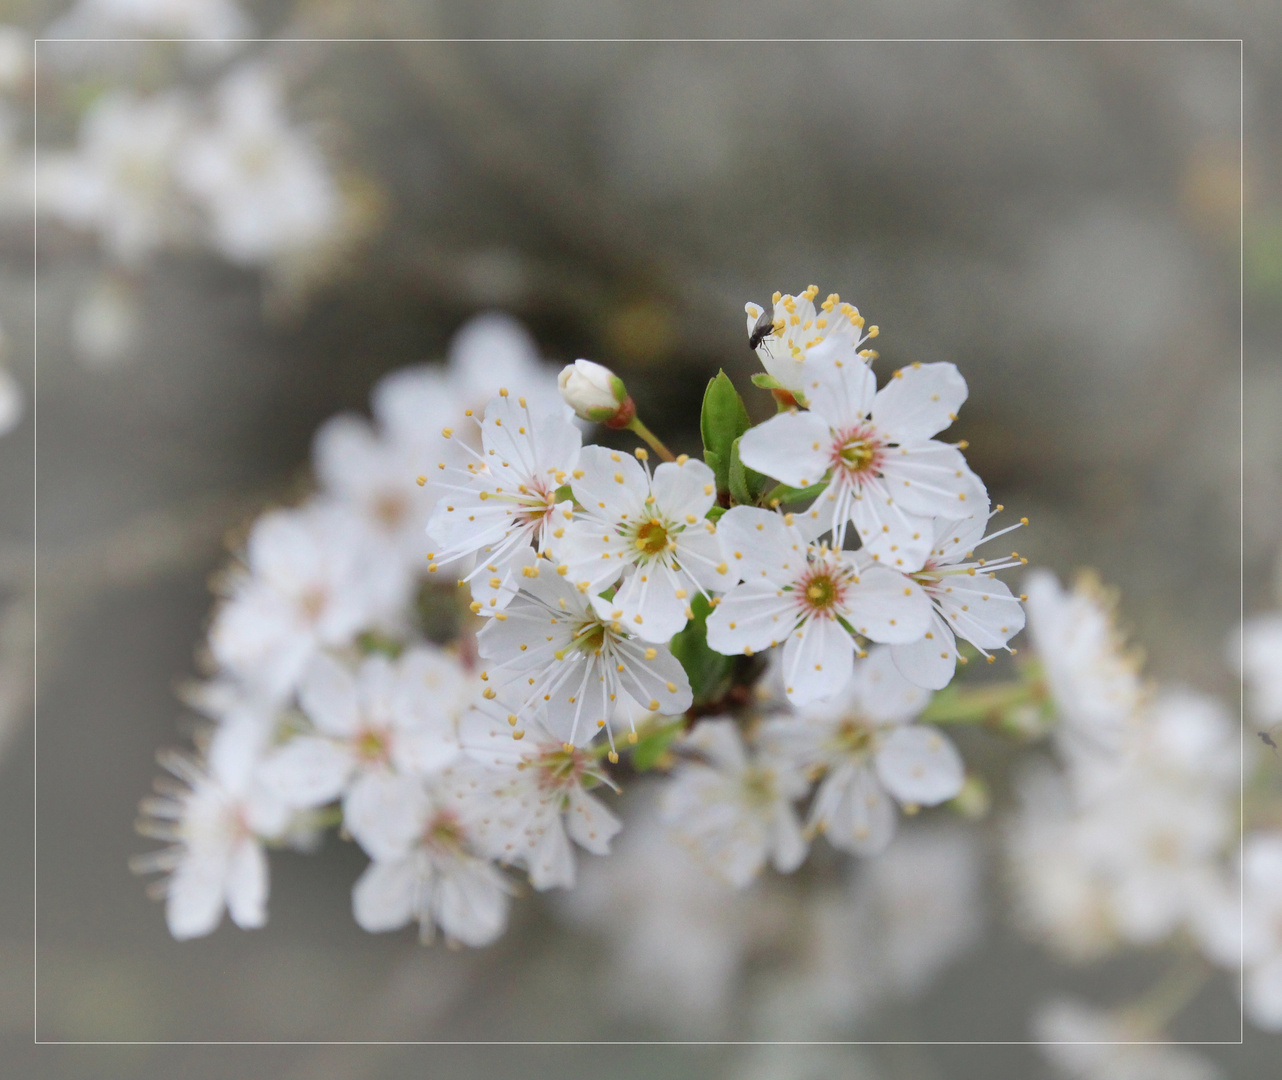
[652, 746]
[715, 513]
[745, 483]
[722, 421]
[709, 672]
[564, 492]
[766, 382]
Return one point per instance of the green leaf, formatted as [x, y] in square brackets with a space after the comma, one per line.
[722, 421]
[652, 746]
[564, 492]
[373, 641]
[745, 483]
[715, 513]
[766, 382]
[709, 672]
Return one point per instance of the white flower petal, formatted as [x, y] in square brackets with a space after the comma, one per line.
[754, 615]
[794, 447]
[194, 899]
[920, 401]
[383, 897]
[247, 885]
[818, 660]
[888, 607]
[919, 764]
[842, 389]
[980, 609]
[660, 685]
[681, 489]
[328, 696]
[472, 902]
[590, 823]
[853, 811]
[551, 862]
[758, 544]
[1263, 999]
[613, 485]
[384, 813]
[787, 842]
[880, 690]
[649, 602]
[698, 553]
[931, 661]
[932, 479]
[307, 771]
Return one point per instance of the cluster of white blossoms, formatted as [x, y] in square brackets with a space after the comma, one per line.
[1138, 839]
[173, 156]
[712, 619]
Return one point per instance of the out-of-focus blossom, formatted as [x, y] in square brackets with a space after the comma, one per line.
[426, 868]
[737, 809]
[538, 796]
[651, 528]
[312, 579]
[1084, 1043]
[202, 20]
[1244, 929]
[1261, 666]
[263, 181]
[677, 937]
[15, 58]
[863, 744]
[1093, 678]
[389, 715]
[119, 181]
[216, 822]
[106, 322]
[12, 401]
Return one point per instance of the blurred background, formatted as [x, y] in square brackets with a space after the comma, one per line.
[1060, 219]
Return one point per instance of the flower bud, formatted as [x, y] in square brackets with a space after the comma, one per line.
[596, 393]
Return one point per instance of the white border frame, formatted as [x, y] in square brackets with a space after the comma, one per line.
[35, 417]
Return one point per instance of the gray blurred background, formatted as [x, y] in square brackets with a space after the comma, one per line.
[1059, 219]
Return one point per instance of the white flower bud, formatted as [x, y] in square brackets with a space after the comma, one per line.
[595, 392]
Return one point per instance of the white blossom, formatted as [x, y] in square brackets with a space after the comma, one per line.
[426, 868]
[885, 474]
[216, 821]
[863, 744]
[969, 602]
[1260, 664]
[1093, 679]
[570, 659]
[202, 20]
[388, 716]
[264, 182]
[537, 795]
[1085, 1043]
[811, 599]
[312, 579]
[119, 182]
[791, 349]
[651, 527]
[498, 500]
[737, 809]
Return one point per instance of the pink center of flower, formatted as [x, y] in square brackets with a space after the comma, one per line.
[443, 832]
[858, 452]
[561, 768]
[373, 745]
[822, 590]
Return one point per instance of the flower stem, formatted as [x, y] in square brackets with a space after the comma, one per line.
[648, 436]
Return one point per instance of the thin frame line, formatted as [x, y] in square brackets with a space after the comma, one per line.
[1241, 118]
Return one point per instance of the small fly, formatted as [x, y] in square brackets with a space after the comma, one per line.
[1267, 738]
[764, 328]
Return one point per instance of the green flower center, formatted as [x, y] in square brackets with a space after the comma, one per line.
[821, 592]
[857, 455]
